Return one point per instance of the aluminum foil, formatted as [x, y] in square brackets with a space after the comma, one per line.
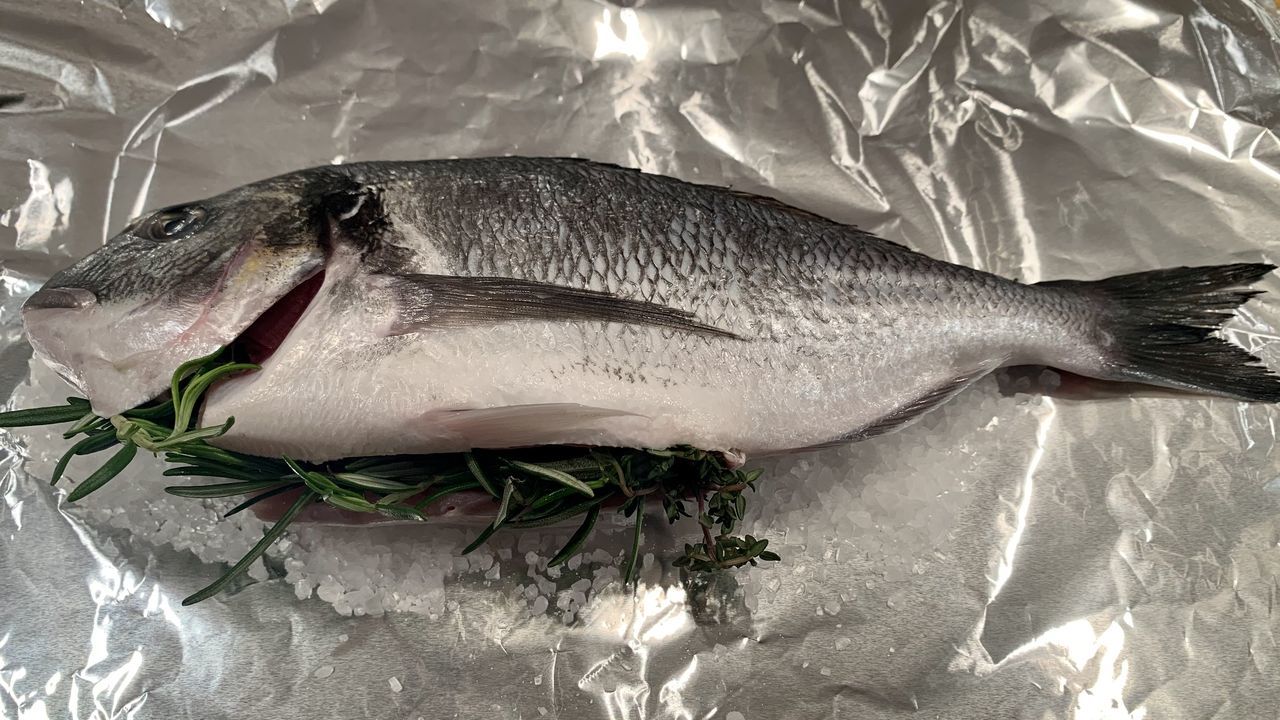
[1025, 552]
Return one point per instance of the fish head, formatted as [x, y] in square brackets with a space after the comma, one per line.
[173, 285]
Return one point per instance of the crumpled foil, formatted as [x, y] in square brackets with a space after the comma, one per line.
[1025, 552]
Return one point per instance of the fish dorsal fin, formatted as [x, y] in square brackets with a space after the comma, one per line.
[435, 301]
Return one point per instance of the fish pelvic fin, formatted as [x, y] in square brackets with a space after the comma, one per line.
[1158, 328]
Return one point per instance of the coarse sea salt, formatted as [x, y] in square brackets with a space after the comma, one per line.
[885, 501]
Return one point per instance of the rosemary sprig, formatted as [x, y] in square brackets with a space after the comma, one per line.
[531, 488]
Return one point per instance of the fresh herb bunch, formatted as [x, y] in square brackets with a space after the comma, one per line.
[532, 488]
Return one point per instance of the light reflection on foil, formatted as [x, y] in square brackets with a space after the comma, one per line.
[1013, 556]
[631, 43]
[1025, 491]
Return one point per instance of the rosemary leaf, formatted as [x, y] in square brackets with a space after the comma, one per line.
[387, 466]
[474, 466]
[551, 498]
[586, 466]
[199, 452]
[151, 413]
[256, 552]
[224, 489]
[259, 498]
[225, 473]
[187, 368]
[579, 537]
[573, 511]
[347, 500]
[629, 574]
[86, 423]
[186, 403]
[103, 475]
[505, 504]
[197, 434]
[55, 415]
[87, 446]
[401, 496]
[485, 534]
[368, 482]
[561, 477]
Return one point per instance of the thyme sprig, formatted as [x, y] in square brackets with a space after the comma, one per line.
[530, 487]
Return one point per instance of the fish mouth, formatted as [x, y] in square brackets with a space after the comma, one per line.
[267, 333]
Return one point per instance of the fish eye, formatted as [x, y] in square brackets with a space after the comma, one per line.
[172, 223]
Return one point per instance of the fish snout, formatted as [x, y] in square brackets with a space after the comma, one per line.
[60, 298]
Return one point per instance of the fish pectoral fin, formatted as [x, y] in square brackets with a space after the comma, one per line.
[517, 425]
[433, 301]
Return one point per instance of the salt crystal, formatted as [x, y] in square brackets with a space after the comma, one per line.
[329, 591]
[537, 679]
[542, 711]
[825, 671]
[539, 605]
[735, 715]
[343, 638]
[581, 586]
[323, 671]
[843, 643]
[395, 684]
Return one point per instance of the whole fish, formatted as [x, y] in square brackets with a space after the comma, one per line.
[416, 307]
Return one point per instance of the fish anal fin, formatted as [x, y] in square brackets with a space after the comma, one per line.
[915, 409]
[922, 405]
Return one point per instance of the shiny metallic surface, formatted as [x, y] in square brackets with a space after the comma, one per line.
[1033, 550]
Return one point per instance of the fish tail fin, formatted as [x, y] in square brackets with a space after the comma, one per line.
[1158, 327]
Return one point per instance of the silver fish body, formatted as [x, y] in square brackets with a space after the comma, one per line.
[514, 301]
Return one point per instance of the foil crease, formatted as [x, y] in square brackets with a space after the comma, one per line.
[1023, 553]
